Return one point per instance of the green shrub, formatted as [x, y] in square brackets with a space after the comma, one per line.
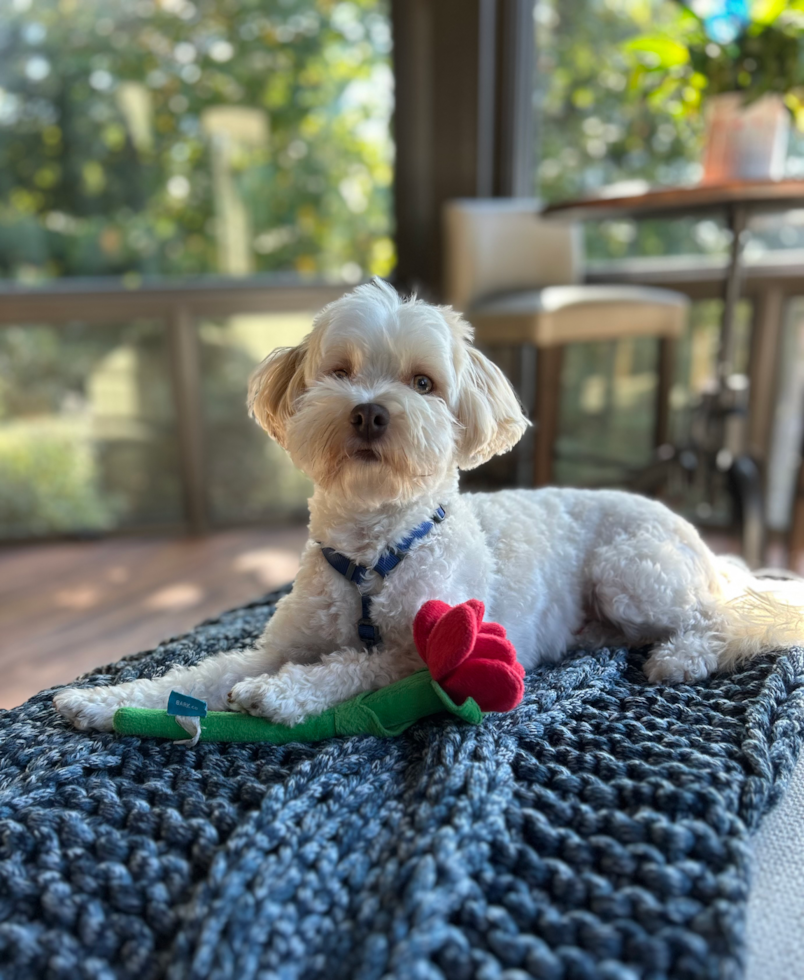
[49, 480]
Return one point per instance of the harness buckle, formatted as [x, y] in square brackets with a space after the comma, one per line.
[439, 516]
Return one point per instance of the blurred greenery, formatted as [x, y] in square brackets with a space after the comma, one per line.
[87, 429]
[108, 137]
[754, 48]
[596, 129]
[49, 482]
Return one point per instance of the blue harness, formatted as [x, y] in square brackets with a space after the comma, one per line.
[388, 561]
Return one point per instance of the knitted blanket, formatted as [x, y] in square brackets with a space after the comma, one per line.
[601, 830]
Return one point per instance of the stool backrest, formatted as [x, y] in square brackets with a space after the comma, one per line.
[499, 245]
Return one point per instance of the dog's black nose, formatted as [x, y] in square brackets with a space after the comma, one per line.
[370, 420]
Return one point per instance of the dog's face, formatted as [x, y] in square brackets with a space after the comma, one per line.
[385, 397]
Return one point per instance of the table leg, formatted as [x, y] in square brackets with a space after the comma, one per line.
[738, 222]
[745, 478]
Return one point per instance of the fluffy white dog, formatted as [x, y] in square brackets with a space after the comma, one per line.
[382, 405]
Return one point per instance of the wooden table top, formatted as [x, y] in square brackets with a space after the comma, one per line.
[636, 199]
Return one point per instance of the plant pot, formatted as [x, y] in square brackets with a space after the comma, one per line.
[745, 142]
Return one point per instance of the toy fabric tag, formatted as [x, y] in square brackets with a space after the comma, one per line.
[188, 707]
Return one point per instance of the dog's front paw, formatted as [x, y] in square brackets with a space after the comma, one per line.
[87, 708]
[268, 698]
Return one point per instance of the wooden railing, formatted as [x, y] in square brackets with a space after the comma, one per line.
[178, 305]
[768, 282]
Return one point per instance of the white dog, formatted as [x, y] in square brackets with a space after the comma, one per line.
[381, 405]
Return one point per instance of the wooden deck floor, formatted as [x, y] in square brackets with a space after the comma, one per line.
[67, 608]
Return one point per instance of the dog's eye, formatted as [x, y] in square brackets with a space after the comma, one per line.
[422, 384]
[341, 373]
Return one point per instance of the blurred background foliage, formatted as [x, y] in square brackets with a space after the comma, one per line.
[148, 138]
[156, 137]
[87, 429]
[755, 47]
[597, 128]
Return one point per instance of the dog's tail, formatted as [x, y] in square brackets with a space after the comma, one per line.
[757, 615]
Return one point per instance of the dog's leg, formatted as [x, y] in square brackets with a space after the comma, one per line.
[211, 680]
[297, 632]
[659, 587]
[300, 690]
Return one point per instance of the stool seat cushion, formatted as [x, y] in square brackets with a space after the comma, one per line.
[558, 315]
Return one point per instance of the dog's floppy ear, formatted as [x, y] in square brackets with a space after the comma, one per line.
[488, 409]
[274, 387]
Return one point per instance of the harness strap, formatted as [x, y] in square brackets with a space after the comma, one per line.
[350, 570]
[387, 562]
[366, 630]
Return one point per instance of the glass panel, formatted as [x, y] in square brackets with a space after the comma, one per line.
[784, 458]
[608, 394]
[606, 240]
[87, 429]
[249, 477]
[141, 137]
[696, 358]
[608, 402]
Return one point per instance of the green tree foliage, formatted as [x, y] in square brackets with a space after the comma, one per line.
[596, 130]
[87, 430]
[600, 123]
[49, 484]
[754, 48]
[107, 158]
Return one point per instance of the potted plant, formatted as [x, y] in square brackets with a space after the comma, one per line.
[741, 62]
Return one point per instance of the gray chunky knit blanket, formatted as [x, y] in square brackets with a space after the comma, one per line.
[601, 830]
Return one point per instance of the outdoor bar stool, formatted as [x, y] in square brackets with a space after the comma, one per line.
[517, 278]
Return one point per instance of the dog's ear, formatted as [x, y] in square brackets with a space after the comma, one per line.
[274, 387]
[488, 410]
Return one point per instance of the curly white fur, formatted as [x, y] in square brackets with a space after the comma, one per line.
[558, 568]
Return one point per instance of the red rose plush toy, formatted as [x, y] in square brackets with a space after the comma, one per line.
[467, 657]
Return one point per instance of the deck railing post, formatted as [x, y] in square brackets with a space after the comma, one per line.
[185, 372]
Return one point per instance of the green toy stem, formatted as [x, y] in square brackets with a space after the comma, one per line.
[386, 712]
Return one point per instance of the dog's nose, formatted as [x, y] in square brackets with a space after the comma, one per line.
[370, 420]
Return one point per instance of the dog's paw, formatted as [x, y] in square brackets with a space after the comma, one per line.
[268, 698]
[88, 708]
[682, 660]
